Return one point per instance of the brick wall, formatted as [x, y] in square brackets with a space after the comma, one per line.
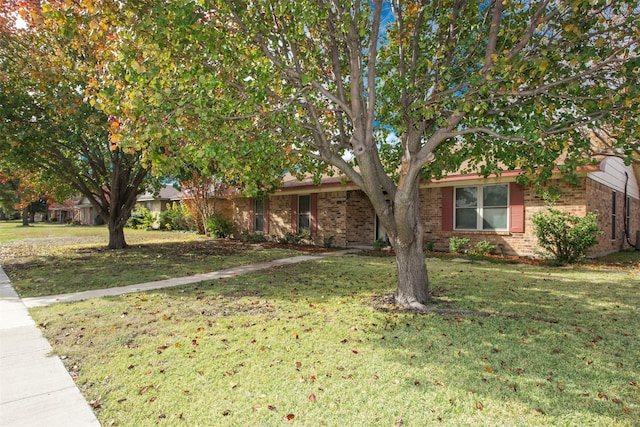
[600, 199]
[350, 218]
[360, 219]
[509, 243]
[332, 218]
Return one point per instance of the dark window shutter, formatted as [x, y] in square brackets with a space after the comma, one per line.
[516, 208]
[447, 208]
[266, 216]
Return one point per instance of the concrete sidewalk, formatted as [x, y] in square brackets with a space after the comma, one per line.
[35, 387]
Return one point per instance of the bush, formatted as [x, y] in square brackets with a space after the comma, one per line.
[430, 245]
[379, 244]
[175, 217]
[483, 248]
[564, 236]
[249, 237]
[219, 226]
[327, 242]
[456, 244]
[141, 219]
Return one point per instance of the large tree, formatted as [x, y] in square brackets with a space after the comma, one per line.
[47, 125]
[388, 93]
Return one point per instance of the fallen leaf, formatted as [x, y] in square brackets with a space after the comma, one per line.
[617, 401]
[354, 351]
[312, 397]
[479, 406]
[290, 417]
[488, 369]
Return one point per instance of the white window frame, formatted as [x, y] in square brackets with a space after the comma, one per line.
[480, 208]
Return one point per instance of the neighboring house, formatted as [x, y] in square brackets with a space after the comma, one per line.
[495, 209]
[84, 212]
[61, 213]
[159, 202]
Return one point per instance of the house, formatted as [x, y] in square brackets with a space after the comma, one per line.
[158, 202]
[495, 209]
[86, 214]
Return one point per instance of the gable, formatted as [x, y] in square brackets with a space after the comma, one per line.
[616, 175]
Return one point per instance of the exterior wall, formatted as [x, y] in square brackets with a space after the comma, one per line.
[349, 216]
[600, 199]
[361, 219]
[507, 242]
[242, 220]
[332, 218]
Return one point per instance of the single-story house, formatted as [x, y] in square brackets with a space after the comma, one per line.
[496, 209]
[159, 202]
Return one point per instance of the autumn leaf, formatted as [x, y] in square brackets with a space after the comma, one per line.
[290, 417]
[312, 397]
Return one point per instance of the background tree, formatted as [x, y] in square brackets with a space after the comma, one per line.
[49, 127]
[388, 93]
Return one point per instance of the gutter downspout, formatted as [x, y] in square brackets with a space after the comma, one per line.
[626, 207]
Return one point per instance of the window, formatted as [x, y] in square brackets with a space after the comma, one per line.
[304, 213]
[613, 215]
[258, 216]
[482, 207]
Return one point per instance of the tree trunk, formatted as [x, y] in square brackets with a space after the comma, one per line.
[116, 236]
[25, 217]
[32, 217]
[413, 282]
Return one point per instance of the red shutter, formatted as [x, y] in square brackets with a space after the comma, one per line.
[447, 208]
[313, 207]
[265, 211]
[516, 208]
[294, 214]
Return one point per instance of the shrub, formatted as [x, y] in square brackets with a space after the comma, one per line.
[219, 226]
[175, 217]
[564, 236]
[141, 219]
[456, 244]
[249, 237]
[430, 245]
[379, 244]
[327, 242]
[483, 248]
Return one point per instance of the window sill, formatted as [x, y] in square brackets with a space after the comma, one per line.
[487, 232]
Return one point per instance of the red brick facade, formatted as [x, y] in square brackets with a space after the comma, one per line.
[349, 217]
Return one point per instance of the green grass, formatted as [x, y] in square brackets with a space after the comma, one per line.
[319, 342]
[55, 259]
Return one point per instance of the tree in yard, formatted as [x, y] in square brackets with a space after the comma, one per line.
[388, 93]
[47, 125]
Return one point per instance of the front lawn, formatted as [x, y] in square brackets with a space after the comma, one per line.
[319, 344]
[51, 259]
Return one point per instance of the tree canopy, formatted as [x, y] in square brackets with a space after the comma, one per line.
[387, 93]
[49, 128]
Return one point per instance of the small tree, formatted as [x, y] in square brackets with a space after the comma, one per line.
[564, 236]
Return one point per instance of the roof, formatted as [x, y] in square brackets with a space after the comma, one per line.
[168, 192]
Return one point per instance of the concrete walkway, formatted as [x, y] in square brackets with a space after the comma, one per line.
[35, 387]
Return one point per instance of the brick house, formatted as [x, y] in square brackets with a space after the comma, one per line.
[495, 209]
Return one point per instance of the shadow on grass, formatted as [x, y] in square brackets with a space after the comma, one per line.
[562, 345]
